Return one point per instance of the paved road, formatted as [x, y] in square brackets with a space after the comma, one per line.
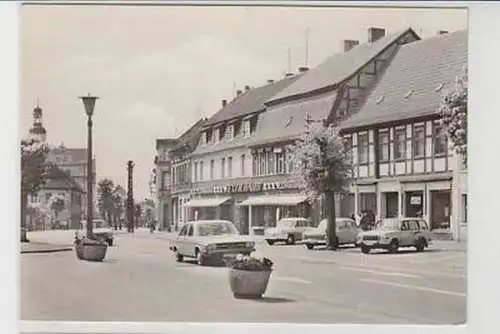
[140, 281]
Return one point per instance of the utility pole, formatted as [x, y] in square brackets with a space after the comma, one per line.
[130, 197]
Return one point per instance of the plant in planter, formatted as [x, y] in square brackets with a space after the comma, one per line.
[249, 276]
[90, 249]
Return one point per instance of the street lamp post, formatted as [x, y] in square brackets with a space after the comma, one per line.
[89, 104]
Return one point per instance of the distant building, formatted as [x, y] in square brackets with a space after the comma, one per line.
[37, 131]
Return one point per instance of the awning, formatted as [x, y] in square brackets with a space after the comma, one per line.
[206, 202]
[275, 200]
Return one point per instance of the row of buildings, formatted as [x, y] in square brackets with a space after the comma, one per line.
[383, 94]
[70, 185]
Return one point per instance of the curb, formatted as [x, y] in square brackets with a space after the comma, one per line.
[54, 250]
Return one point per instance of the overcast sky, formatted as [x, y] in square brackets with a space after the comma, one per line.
[160, 69]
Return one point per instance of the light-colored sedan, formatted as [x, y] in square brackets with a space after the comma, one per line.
[288, 230]
[346, 231]
[210, 240]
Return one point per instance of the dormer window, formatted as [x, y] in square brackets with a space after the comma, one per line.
[253, 125]
[246, 128]
[237, 129]
[203, 138]
[209, 136]
[216, 135]
[222, 132]
[230, 132]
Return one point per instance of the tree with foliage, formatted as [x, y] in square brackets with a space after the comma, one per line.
[323, 166]
[137, 213]
[453, 110]
[57, 203]
[33, 172]
[106, 201]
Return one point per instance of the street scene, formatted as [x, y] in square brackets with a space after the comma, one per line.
[306, 286]
[296, 165]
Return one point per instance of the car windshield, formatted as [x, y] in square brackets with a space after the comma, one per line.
[216, 228]
[387, 224]
[287, 223]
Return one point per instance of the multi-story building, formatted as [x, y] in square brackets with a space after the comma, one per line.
[74, 161]
[221, 165]
[403, 165]
[173, 176]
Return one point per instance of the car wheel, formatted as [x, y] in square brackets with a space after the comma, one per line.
[178, 256]
[393, 246]
[309, 246]
[420, 244]
[270, 242]
[200, 259]
[290, 240]
[365, 249]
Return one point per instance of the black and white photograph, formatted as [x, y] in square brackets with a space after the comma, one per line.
[243, 163]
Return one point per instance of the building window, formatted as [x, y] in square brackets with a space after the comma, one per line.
[222, 132]
[209, 136]
[289, 163]
[223, 168]
[196, 171]
[246, 128]
[280, 163]
[439, 140]
[230, 167]
[164, 180]
[201, 170]
[399, 144]
[216, 135]
[242, 165]
[237, 129]
[271, 167]
[212, 166]
[262, 163]
[363, 148]
[383, 146]
[255, 164]
[230, 132]
[348, 148]
[464, 208]
[253, 125]
[419, 141]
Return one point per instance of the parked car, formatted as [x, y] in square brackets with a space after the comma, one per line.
[346, 231]
[210, 240]
[288, 230]
[393, 233]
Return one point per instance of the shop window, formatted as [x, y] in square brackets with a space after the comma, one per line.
[439, 140]
[363, 148]
[400, 144]
[419, 141]
[383, 146]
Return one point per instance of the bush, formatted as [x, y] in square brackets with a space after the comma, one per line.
[83, 240]
[249, 263]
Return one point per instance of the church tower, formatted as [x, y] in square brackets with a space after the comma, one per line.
[37, 131]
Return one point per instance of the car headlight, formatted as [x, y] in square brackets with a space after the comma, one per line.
[249, 244]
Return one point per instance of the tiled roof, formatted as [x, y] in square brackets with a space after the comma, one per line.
[251, 101]
[191, 136]
[287, 121]
[409, 88]
[338, 67]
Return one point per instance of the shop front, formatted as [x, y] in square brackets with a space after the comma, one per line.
[210, 208]
[263, 211]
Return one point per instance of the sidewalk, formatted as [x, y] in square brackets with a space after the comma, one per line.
[39, 247]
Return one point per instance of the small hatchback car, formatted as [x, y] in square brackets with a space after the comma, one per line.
[393, 233]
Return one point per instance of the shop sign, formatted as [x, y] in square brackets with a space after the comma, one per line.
[416, 200]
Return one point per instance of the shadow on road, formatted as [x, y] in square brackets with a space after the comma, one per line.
[274, 300]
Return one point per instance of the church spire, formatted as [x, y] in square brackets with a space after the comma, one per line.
[37, 131]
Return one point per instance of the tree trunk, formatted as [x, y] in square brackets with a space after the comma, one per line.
[331, 229]
[24, 210]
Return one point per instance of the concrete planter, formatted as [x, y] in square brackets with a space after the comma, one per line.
[91, 252]
[248, 284]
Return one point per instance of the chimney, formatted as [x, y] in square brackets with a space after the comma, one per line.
[374, 34]
[442, 32]
[224, 103]
[349, 44]
[289, 74]
[270, 81]
[303, 69]
[247, 88]
[239, 92]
